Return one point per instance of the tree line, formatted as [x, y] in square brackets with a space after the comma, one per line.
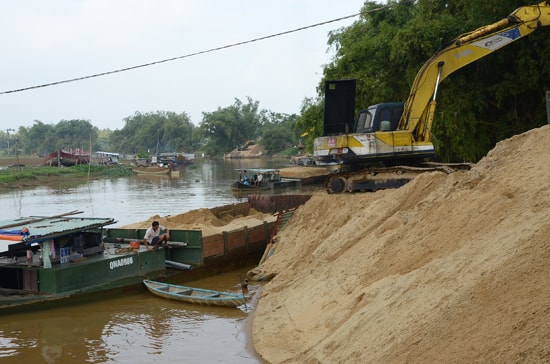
[499, 96]
[146, 134]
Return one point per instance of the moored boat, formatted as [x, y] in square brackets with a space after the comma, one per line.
[61, 257]
[152, 169]
[67, 158]
[257, 179]
[194, 295]
[201, 250]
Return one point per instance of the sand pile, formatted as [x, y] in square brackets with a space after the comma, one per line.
[447, 269]
[205, 220]
[305, 172]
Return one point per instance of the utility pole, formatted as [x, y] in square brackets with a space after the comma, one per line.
[8, 131]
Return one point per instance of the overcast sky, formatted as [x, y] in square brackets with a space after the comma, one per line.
[51, 41]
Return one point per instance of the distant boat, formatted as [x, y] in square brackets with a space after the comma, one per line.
[152, 169]
[199, 296]
[176, 159]
[67, 158]
[270, 179]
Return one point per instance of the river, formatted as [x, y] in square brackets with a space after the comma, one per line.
[136, 327]
[205, 184]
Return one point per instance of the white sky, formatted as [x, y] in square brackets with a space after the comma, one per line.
[50, 41]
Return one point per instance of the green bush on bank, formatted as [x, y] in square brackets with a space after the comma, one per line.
[17, 174]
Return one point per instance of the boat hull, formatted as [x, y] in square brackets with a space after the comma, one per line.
[152, 170]
[194, 295]
[66, 158]
[271, 179]
[64, 258]
[80, 280]
[266, 185]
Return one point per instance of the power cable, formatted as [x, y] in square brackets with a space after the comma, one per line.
[178, 57]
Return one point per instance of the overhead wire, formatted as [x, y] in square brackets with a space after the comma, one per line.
[185, 55]
[176, 58]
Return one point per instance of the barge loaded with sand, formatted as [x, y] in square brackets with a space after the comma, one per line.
[209, 241]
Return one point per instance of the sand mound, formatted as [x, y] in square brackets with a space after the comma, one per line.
[204, 219]
[447, 269]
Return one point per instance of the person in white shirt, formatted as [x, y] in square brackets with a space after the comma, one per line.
[259, 179]
[154, 237]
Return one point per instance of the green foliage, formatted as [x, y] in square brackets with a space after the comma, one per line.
[494, 98]
[102, 142]
[310, 122]
[293, 151]
[67, 134]
[161, 131]
[27, 174]
[226, 128]
[146, 134]
[17, 175]
[109, 171]
[276, 139]
[279, 132]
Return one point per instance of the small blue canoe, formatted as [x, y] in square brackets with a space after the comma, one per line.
[195, 295]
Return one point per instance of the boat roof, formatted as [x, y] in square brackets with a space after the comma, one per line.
[99, 152]
[41, 228]
[258, 170]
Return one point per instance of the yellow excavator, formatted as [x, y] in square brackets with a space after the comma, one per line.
[388, 143]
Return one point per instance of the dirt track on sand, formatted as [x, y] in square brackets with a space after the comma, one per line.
[447, 269]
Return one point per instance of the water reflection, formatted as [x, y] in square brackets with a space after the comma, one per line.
[138, 327]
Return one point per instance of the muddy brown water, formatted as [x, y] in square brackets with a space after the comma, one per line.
[134, 328]
[138, 327]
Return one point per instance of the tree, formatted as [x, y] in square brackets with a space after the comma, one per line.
[71, 134]
[67, 134]
[161, 131]
[279, 132]
[310, 122]
[229, 127]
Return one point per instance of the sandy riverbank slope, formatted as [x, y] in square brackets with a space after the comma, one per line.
[447, 269]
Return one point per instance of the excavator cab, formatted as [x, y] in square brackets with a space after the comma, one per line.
[380, 117]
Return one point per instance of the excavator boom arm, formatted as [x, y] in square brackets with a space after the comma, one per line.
[419, 108]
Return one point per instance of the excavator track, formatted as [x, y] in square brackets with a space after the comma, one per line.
[373, 179]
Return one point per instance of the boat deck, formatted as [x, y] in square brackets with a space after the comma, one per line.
[109, 252]
[111, 266]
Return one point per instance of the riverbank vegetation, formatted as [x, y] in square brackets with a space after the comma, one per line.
[15, 176]
[146, 134]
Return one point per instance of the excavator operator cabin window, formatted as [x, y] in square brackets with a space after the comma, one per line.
[364, 122]
[385, 120]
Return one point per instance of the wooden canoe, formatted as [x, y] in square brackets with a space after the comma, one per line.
[195, 295]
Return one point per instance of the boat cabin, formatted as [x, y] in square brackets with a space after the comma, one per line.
[31, 245]
[100, 157]
[262, 179]
[258, 176]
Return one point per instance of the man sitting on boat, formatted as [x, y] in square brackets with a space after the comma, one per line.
[153, 236]
[259, 179]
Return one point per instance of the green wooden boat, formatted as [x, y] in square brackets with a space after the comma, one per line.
[199, 296]
[59, 257]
